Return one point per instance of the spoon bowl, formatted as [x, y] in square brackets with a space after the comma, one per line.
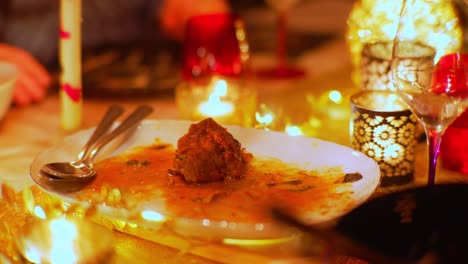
[52, 170]
[64, 185]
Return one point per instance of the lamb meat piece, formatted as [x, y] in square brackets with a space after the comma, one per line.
[208, 152]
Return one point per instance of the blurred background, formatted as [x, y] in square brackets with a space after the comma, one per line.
[136, 56]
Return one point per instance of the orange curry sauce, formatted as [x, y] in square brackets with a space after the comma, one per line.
[141, 175]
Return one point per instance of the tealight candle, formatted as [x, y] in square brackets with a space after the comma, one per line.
[380, 101]
[64, 241]
[269, 117]
[383, 128]
[215, 107]
[228, 101]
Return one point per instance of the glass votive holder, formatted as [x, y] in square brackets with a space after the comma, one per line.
[383, 128]
[228, 101]
[375, 66]
[376, 62]
[64, 240]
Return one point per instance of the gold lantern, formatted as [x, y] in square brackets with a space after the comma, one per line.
[383, 128]
[373, 21]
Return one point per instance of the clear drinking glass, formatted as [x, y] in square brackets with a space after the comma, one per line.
[436, 88]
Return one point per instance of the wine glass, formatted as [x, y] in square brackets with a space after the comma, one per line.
[435, 84]
[282, 70]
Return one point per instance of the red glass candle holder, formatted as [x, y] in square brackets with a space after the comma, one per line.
[215, 44]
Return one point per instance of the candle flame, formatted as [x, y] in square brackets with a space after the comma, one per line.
[153, 216]
[293, 130]
[335, 96]
[63, 234]
[267, 118]
[39, 212]
[264, 120]
[215, 107]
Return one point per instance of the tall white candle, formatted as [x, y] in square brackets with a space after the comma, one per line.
[70, 63]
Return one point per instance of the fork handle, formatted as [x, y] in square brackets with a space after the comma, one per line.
[138, 115]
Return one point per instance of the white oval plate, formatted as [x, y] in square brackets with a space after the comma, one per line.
[308, 153]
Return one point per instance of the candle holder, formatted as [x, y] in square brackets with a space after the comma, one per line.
[383, 128]
[215, 44]
[228, 101]
[64, 240]
[376, 63]
[375, 66]
[215, 69]
[371, 21]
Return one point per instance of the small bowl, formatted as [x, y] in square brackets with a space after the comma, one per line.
[8, 76]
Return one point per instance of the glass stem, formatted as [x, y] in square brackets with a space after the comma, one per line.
[281, 40]
[433, 140]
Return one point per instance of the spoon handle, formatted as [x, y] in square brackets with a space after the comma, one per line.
[139, 114]
[104, 125]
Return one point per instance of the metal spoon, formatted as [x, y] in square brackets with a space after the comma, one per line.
[83, 169]
[63, 169]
